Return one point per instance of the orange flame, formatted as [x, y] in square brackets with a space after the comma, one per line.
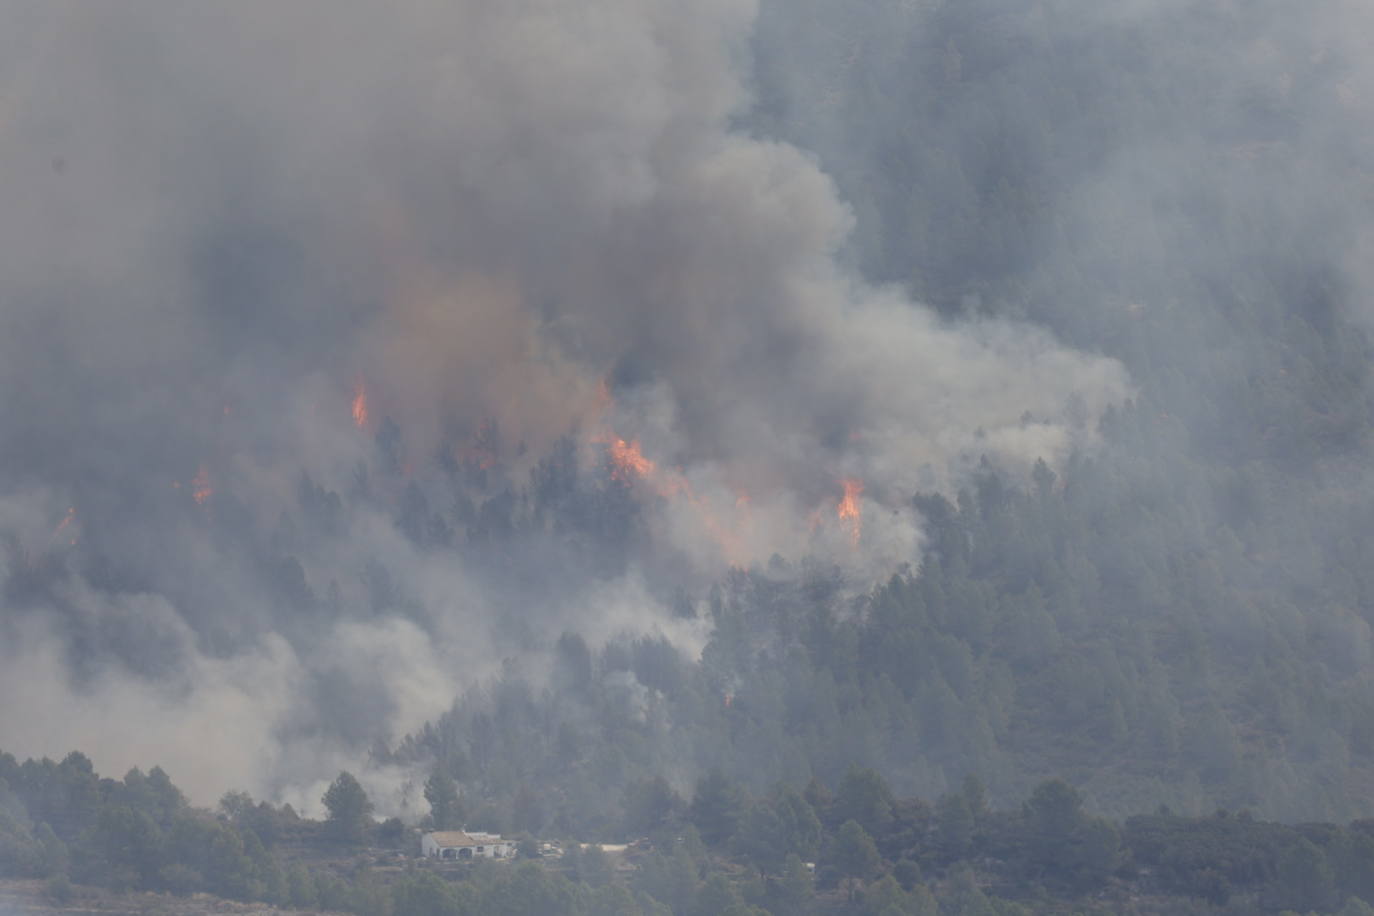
[360, 404]
[629, 464]
[201, 491]
[627, 461]
[849, 510]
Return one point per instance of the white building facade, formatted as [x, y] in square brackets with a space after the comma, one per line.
[461, 844]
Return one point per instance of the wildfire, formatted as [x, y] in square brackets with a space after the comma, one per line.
[849, 511]
[201, 491]
[627, 461]
[628, 464]
[360, 404]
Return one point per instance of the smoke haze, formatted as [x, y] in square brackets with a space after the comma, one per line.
[515, 230]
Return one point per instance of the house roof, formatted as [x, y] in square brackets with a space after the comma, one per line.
[450, 838]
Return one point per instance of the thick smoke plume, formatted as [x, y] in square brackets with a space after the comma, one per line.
[293, 293]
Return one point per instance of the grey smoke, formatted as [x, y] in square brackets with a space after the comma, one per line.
[1190, 192]
[217, 219]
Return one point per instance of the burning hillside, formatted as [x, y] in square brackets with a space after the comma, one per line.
[377, 231]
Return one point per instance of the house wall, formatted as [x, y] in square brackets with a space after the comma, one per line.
[493, 850]
[499, 849]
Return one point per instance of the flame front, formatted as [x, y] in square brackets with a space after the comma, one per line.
[628, 464]
[360, 404]
[849, 511]
[627, 461]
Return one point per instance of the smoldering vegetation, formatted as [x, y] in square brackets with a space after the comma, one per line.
[572, 398]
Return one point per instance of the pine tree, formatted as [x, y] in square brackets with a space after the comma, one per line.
[445, 807]
[350, 810]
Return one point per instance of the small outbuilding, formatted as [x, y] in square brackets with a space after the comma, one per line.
[462, 844]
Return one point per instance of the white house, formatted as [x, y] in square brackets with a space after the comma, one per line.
[459, 844]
